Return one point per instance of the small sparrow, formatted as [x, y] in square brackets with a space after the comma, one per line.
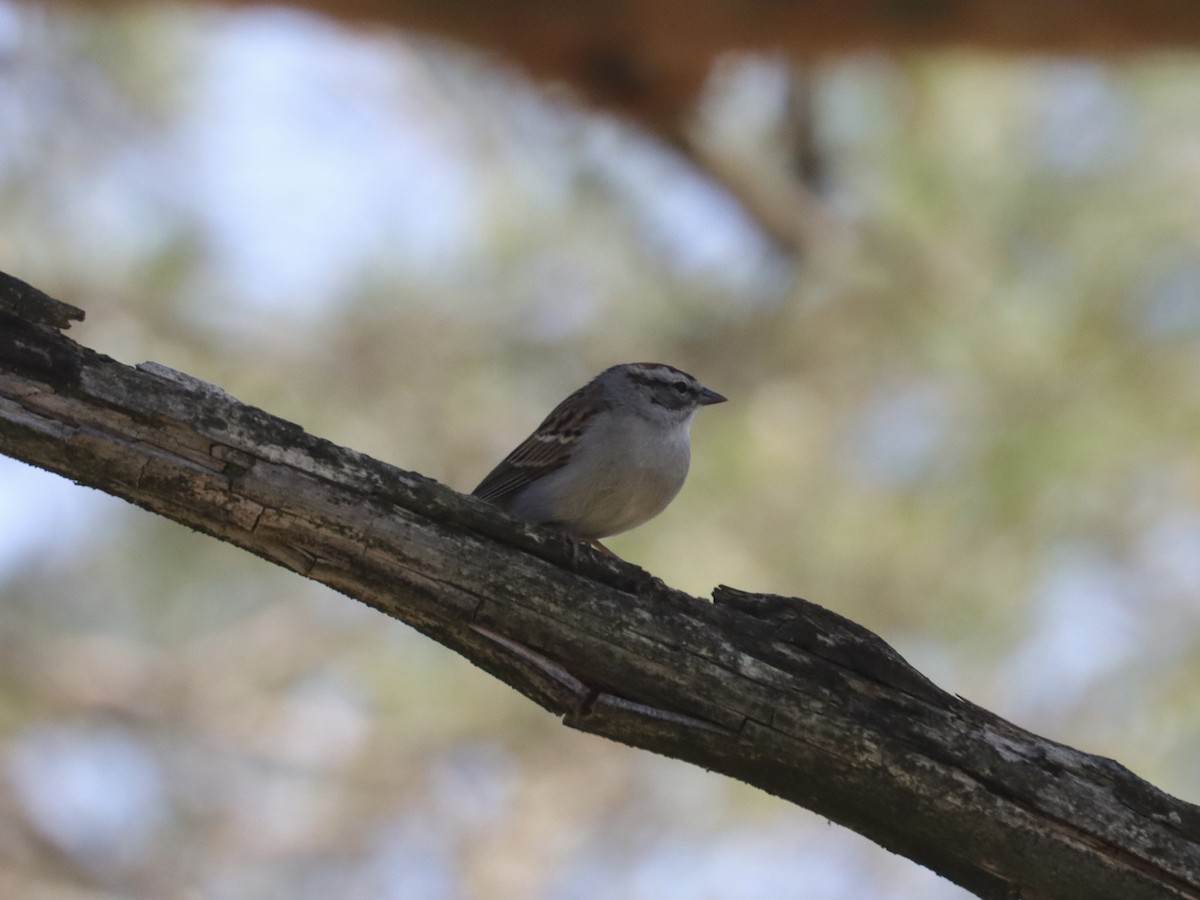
[609, 457]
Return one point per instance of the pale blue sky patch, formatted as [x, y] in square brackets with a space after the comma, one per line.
[901, 433]
[694, 226]
[39, 509]
[1083, 123]
[1166, 303]
[749, 863]
[312, 151]
[411, 858]
[1085, 628]
[96, 793]
[1169, 551]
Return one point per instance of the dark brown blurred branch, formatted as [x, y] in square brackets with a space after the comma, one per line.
[649, 59]
[774, 691]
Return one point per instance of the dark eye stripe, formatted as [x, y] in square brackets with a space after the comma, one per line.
[658, 380]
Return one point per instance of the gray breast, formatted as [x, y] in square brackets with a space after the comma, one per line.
[623, 474]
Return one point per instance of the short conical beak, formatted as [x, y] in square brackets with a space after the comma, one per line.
[709, 397]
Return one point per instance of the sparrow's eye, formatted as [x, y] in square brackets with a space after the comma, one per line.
[680, 387]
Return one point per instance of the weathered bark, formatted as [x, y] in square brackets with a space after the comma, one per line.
[774, 691]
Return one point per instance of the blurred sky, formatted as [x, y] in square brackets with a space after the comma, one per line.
[965, 416]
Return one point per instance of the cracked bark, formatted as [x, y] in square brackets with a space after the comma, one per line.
[774, 691]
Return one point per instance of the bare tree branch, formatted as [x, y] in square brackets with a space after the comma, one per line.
[650, 59]
[774, 691]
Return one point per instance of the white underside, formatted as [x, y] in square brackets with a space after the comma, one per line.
[622, 474]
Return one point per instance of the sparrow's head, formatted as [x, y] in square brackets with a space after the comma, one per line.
[657, 391]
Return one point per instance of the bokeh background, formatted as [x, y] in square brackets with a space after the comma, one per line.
[964, 414]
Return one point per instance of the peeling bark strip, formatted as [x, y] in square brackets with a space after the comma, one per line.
[774, 691]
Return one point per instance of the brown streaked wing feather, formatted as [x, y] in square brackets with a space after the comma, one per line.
[547, 449]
